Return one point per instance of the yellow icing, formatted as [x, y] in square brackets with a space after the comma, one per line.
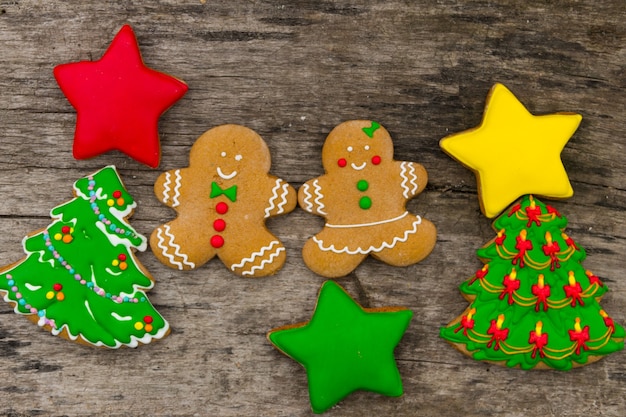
[514, 152]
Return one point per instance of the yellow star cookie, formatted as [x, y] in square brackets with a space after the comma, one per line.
[514, 152]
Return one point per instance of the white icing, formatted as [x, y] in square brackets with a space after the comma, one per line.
[226, 176]
[405, 179]
[264, 262]
[32, 287]
[318, 200]
[176, 188]
[275, 196]
[166, 186]
[384, 245]
[358, 167]
[307, 198]
[112, 272]
[347, 226]
[89, 310]
[255, 255]
[120, 318]
[171, 245]
[117, 240]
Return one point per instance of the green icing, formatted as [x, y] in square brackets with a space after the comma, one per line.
[369, 131]
[230, 193]
[345, 348]
[573, 295]
[91, 286]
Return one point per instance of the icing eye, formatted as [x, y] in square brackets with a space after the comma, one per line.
[223, 154]
[375, 159]
[367, 147]
[350, 148]
[342, 162]
[238, 157]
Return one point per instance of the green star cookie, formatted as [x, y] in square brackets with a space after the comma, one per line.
[345, 347]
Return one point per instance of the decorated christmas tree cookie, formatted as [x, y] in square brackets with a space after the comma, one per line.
[80, 279]
[363, 197]
[118, 101]
[345, 347]
[533, 304]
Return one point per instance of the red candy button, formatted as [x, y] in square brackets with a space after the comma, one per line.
[342, 162]
[375, 159]
[217, 241]
[221, 207]
[219, 225]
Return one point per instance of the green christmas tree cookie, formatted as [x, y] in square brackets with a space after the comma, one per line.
[80, 279]
[533, 305]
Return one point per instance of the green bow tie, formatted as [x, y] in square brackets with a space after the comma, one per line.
[230, 193]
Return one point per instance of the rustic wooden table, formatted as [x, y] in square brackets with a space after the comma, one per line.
[292, 71]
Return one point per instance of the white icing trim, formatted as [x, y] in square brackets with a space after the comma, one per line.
[307, 198]
[358, 167]
[115, 274]
[226, 176]
[120, 318]
[318, 200]
[32, 287]
[405, 178]
[176, 189]
[283, 195]
[171, 245]
[89, 310]
[166, 185]
[116, 240]
[265, 262]
[362, 251]
[254, 255]
[347, 226]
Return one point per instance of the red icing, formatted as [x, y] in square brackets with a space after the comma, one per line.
[522, 246]
[217, 241]
[593, 279]
[551, 250]
[573, 292]
[376, 160]
[580, 337]
[514, 209]
[552, 210]
[542, 295]
[342, 162]
[219, 225]
[539, 342]
[465, 325]
[510, 286]
[118, 101]
[500, 239]
[221, 207]
[533, 214]
[609, 323]
[480, 274]
[497, 335]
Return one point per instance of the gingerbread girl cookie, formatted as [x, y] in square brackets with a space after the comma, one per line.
[362, 197]
[222, 200]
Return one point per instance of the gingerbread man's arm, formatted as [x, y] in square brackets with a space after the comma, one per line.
[282, 198]
[413, 178]
[311, 196]
[167, 187]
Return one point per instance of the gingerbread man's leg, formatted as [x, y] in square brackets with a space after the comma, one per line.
[177, 248]
[260, 255]
[328, 261]
[411, 245]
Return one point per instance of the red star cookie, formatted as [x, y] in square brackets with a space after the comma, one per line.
[118, 101]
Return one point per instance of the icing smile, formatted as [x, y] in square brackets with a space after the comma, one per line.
[226, 176]
[358, 167]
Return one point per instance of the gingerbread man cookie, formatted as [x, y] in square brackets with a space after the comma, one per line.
[362, 196]
[223, 199]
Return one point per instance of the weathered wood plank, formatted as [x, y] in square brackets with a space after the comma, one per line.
[292, 71]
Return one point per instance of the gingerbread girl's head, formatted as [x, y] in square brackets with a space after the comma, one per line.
[230, 151]
[356, 145]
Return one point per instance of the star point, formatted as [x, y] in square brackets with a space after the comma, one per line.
[345, 347]
[514, 152]
[118, 101]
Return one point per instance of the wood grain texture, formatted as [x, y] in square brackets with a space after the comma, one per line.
[292, 71]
